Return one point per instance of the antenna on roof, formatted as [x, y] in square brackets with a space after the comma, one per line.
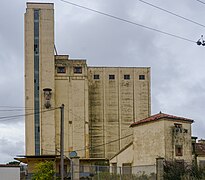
[160, 112]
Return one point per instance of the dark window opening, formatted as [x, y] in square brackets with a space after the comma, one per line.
[126, 76]
[141, 77]
[77, 70]
[126, 169]
[61, 70]
[114, 168]
[35, 46]
[178, 125]
[36, 14]
[178, 150]
[177, 128]
[185, 130]
[96, 76]
[111, 76]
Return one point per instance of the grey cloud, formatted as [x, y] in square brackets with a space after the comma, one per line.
[9, 149]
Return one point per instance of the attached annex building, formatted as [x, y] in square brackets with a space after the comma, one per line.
[160, 135]
[100, 102]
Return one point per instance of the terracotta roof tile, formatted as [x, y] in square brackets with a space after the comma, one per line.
[160, 116]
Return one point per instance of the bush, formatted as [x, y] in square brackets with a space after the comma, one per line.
[44, 171]
[179, 170]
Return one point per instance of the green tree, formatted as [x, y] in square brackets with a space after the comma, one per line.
[44, 171]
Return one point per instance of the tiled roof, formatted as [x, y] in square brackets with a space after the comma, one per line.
[160, 116]
[200, 149]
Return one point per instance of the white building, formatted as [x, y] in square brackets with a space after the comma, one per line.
[9, 172]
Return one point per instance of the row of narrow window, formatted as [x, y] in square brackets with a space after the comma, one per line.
[78, 70]
[112, 76]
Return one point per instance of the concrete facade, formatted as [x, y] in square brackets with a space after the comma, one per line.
[114, 104]
[125, 156]
[100, 102]
[159, 139]
[39, 74]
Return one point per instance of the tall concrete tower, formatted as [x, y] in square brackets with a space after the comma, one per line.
[100, 102]
[39, 75]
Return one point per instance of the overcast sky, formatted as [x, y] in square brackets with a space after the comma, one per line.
[177, 66]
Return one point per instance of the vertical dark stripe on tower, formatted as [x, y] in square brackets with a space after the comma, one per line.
[36, 82]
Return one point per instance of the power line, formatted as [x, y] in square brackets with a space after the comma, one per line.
[6, 118]
[200, 1]
[17, 107]
[4, 110]
[94, 146]
[179, 16]
[128, 21]
[91, 147]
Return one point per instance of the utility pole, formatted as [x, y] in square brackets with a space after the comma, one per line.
[62, 142]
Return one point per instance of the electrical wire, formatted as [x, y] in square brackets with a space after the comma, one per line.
[16, 107]
[6, 118]
[96, 145]
[130, 22]
[200, 1]
[179, 16]
[6, 110]
[91, 147]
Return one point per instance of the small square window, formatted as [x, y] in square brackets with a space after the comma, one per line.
[178, 150]
[178, 128]
[96, 76]
[126, 76]
[77, 70]
[177, 125]
[141, 77]
[111, 76]
[61, 69]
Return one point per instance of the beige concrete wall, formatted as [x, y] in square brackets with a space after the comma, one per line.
[149, 143]
[156, 139]
[97, 112]
[114, 105]
[126, 156]
[29, 82]
[46, 80]
[72, 91]
[180, 138]
[47, 68]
